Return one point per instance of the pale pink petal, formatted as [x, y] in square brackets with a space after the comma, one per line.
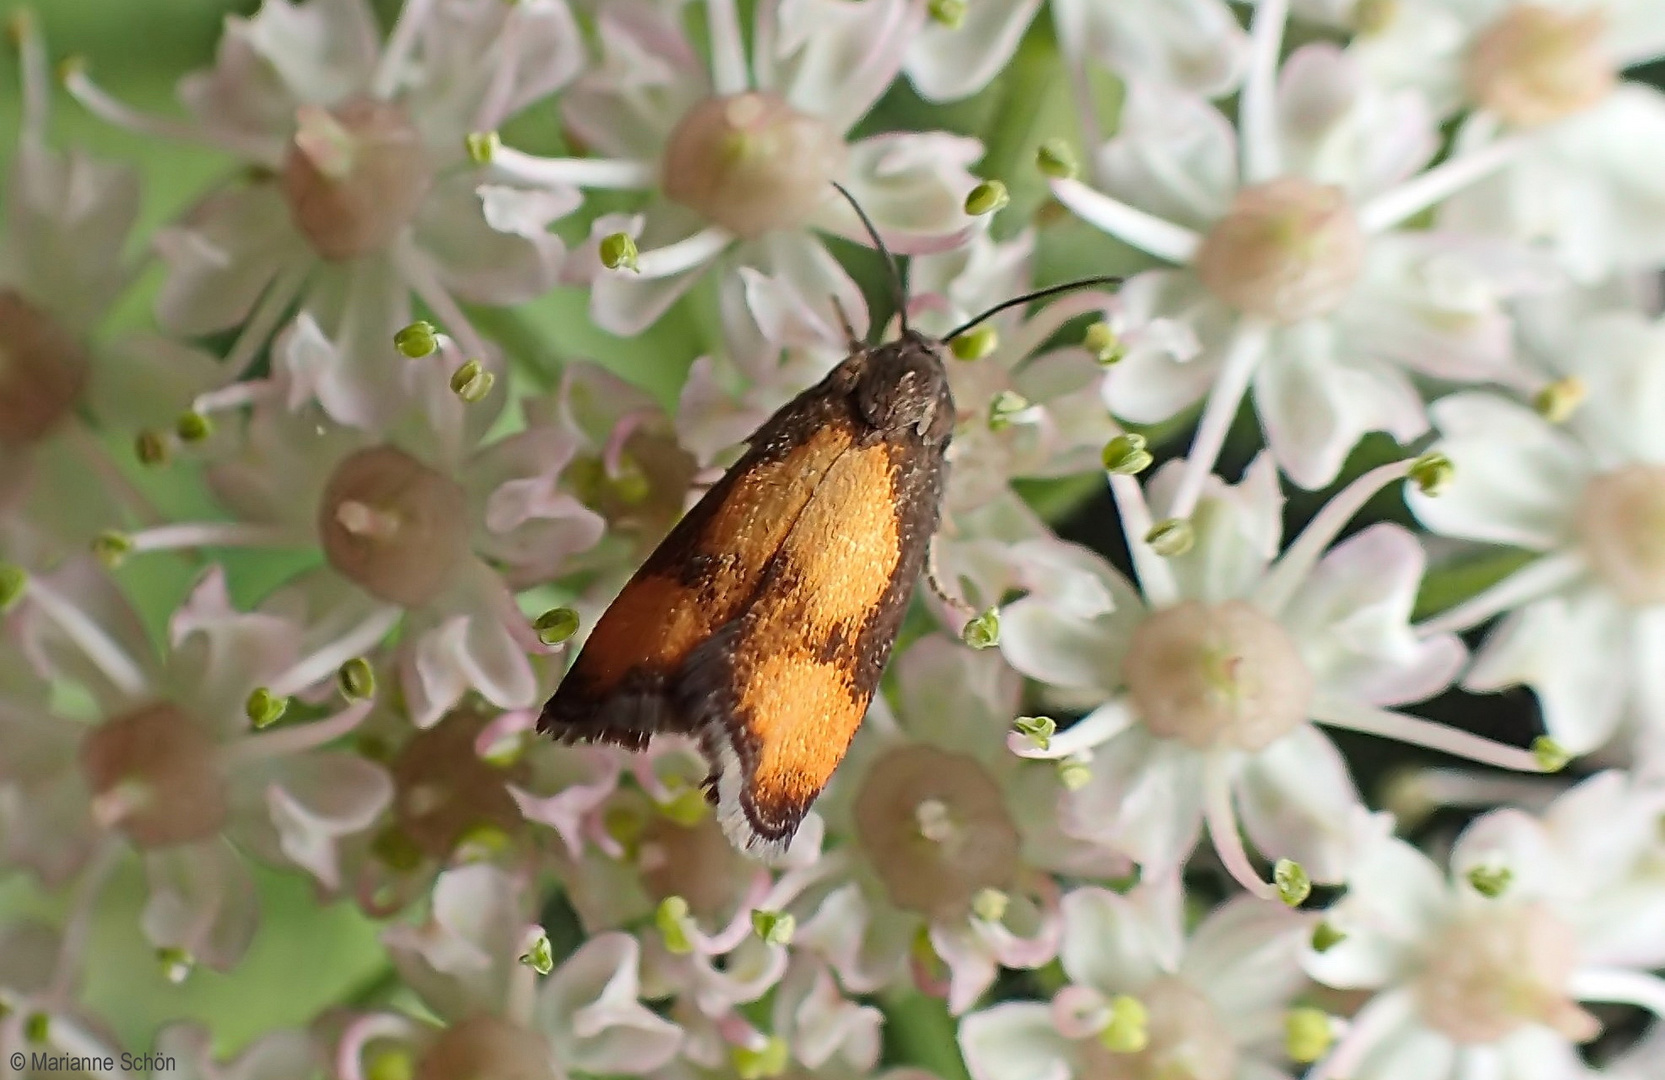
[947, 63]
[1195, 44]
[317, 799]
[1516, 477]
[1015, 1041]
[460, 959]
[222, 256]
[1144, 799]
[590, 1011]
[833, 59]
[490, 243]
[1316, 402]
[1116, 944]
[1246, 955]
[1298, 802]
[324, 51]
[1352, 619]
[202, 900]
[1339, 128]
[68, 220]
[913, 185]
[1176, 336]
[1168, 135]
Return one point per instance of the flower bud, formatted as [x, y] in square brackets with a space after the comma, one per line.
[357, 679]
[417, 340]
[983, 631]
[264, 708]
[618, 251]
[539, 956]
[1293, 884]
[556, 625]
[481, 146]
[975, 344]
[1432, 473]
[193, 427]
[1037, 729]
[1056, 159]
[987, 198]
[775, 927]
[1125, 455]
[1171, 537]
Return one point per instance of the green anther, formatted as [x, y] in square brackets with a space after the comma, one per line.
[556, 625]
[482, 146]
[150, 447]
[395, 849]
[618, 251]
[1074, 773]
[264, 708]
[1490, 881]
[975, 344]
[111, 547]
[1128, 1030]
[769, 1061]
[19, 25]
[14, 582]
[1125, 455]
[775, 927]
[983, 632]
[1056, 159]
[1560, 399]
[686, 806]
[1005, 408]
[390, 1063]
[71, 66]
[471, 382]
[1171, 537]
[987, 198]
[1551, 755]
[672, 914]
[193, 427]
[37, 1027]
[1037, 729]
[539, 956]
[1326, 937]
[481, 843]
[1104, 343]
[176, 964]
[990, 905]
[417, 340]
[949, 13]
[1432, 473]
[357, 679]
[1307, 1035]
[1292, 883]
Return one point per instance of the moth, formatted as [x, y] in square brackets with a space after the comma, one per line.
[762, 622]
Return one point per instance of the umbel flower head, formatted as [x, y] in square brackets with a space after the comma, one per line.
[739, 152]
[360, 195]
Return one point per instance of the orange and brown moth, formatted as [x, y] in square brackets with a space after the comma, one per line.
[761, 624]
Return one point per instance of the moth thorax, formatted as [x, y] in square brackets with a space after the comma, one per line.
[43, 369]
[354, 176]
[752, 163]
[444, 791]
[695, 862]
[934, 827]
[1216, 675]
[393, 526]
[1500, 968]
[1621, 520]
[1287, 250]
[1186, 1039]
[486, 1048]
[1534, 64]
[155, 776]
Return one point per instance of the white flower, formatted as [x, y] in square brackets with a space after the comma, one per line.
[1146, 999]
[1297, 283]
[1211, 675]
[740, 153]
[1585, 618]
[1197, 45]
[960, 46]
[1488, 969]
[365, 195]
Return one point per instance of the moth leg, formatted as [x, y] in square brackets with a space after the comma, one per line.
[934, 579]
[852, 343]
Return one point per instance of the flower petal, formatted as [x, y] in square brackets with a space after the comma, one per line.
[1298, 802]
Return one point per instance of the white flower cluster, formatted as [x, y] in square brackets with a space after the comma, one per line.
[286, 576]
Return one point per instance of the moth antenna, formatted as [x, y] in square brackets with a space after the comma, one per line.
[1038, 294]
[899, 292]
[934, 579]
[852, 342]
